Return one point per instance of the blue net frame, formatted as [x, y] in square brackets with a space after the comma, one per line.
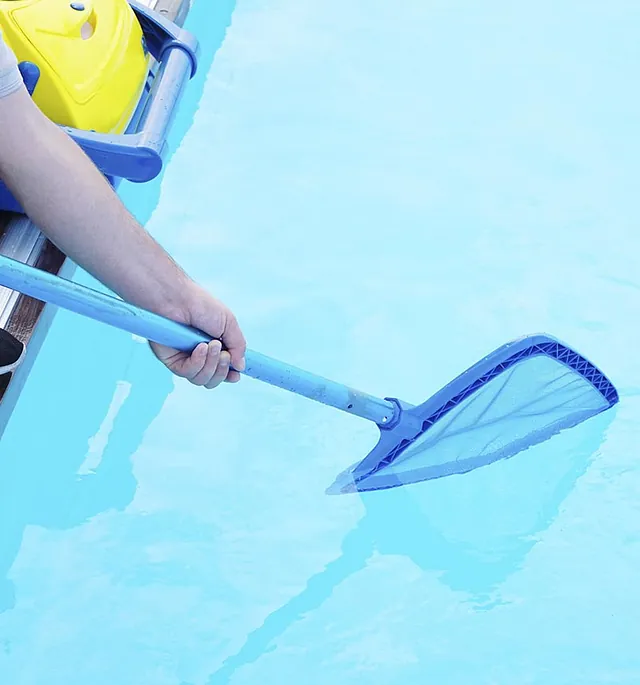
[392, 444]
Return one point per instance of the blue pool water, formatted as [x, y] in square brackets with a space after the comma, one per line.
[383, 193]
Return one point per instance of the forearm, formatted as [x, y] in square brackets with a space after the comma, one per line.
[69, 200]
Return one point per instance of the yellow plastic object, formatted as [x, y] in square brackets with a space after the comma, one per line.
[90, 53]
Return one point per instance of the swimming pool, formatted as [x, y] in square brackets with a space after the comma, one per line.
[383, 194]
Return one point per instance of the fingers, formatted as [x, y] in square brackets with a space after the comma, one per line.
[221, 372]
[220, 360]
[208, 365]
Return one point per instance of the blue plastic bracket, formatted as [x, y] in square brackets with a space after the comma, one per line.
[30, 75]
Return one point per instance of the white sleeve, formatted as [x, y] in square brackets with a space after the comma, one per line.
[10, 77]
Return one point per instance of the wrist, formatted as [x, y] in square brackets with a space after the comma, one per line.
[177, 299]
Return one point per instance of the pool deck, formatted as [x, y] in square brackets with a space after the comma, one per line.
[28, 319]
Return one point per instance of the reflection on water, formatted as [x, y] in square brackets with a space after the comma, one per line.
[473, 530]
[74, 461]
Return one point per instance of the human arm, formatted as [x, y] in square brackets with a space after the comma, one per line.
[66, 196]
